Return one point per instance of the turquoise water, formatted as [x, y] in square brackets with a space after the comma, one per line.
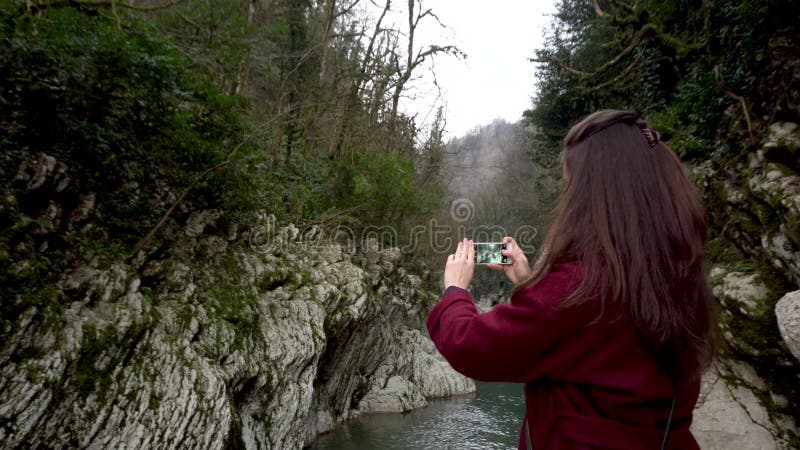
[488, 419]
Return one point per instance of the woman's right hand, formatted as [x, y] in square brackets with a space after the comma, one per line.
[519, 270]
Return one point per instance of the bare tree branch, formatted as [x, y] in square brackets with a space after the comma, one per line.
[187, 19]
[623, 5]
[231, 155]
[597, 9]
[608, 64]
[721, 84]
[347, 9]
[617, 78]
[371, 46]
[415, 15]
[337, 214]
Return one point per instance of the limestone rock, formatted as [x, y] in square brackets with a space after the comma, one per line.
[199, 220]
[783, 134]
[219, 344]
[757, 208]
[398, 395]
[779, 191]
[729, 415]
[746, 303]
[740, 290]
[432, 373]
[35, 171]
[784, 253]
[787, 312]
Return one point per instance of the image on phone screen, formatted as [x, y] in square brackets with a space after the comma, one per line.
[489, 253]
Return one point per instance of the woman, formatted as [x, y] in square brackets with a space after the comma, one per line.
[611, 329]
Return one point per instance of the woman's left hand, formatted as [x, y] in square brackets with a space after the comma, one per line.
[460, 266]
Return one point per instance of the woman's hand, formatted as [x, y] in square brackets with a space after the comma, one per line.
[519, 270]
[460, 266]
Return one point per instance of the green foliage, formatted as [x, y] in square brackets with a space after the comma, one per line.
[214, 33]
[127, 119]
[579, 39]
[135, 109]
[686, 61]
[326, 156]
[384, 183]
[373, 189]
[123, 111]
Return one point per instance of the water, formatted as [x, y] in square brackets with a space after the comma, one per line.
[489, 419]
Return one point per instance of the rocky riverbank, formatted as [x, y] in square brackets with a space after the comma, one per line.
[236, 339]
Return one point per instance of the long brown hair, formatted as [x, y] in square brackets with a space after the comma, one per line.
[633, 219]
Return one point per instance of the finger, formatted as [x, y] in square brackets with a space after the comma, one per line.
[496, 267]
[470, 250]
[511, 253]
[512, 249]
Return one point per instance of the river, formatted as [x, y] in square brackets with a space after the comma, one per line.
[488, 419]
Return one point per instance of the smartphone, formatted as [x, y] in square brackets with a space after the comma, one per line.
[489, 253]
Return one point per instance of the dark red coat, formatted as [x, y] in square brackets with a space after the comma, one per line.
[590, 383]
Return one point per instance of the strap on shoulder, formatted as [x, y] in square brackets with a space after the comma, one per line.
[669, 422]
[528, 443]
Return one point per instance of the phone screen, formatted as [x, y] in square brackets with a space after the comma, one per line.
[489, 253]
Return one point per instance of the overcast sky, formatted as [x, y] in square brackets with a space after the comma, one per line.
[496, 80]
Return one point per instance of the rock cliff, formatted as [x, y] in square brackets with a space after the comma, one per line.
[246, 338]
[751, 397]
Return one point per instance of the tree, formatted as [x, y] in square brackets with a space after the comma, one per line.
[414, 57]
[674, 61]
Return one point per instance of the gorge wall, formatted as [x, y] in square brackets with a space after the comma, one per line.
[236, 337]
[750, 396]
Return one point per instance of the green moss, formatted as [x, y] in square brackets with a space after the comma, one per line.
[773, 409]
[757, 339]
[88, 378]
[780, 167]
[775, 280]
[273, 280]
[233, 306]
[720, 250]
[306, 277]
[429, 300]
[148, 295]
[154, 400]
[792, 228]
